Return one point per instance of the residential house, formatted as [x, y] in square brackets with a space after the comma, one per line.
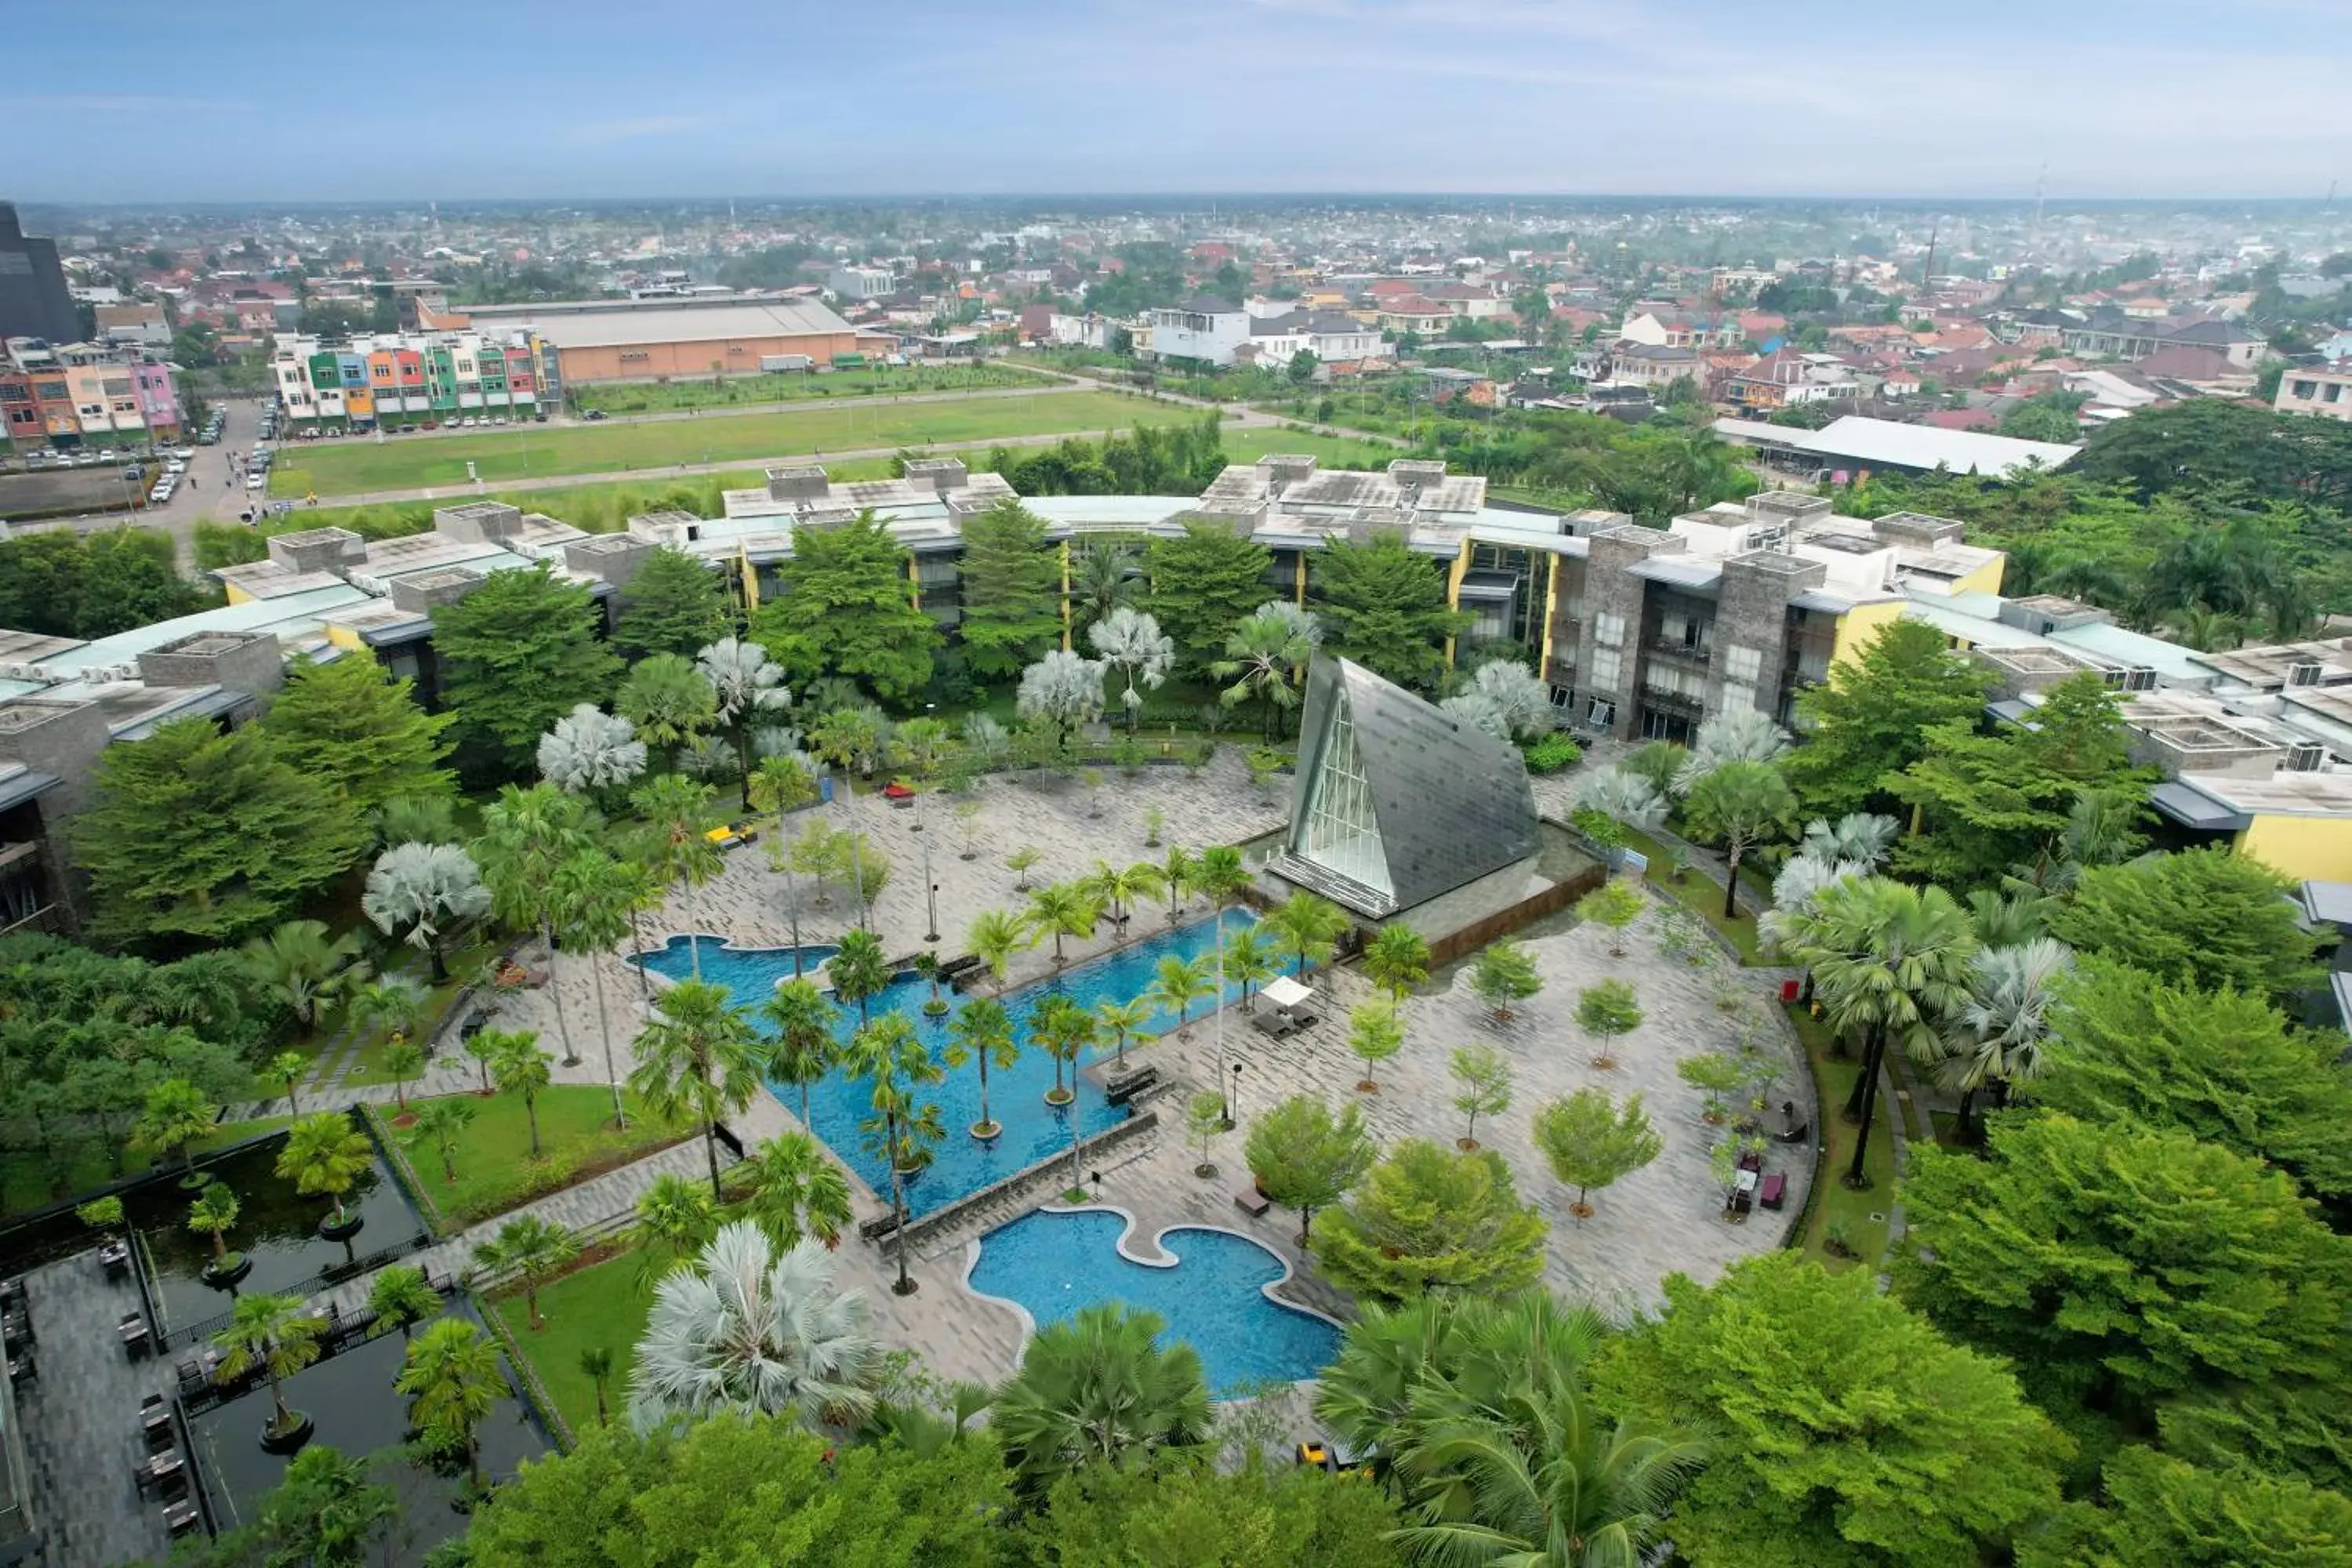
[1788, 380]
[1330, 337]
[1204, 327]
[2327, 393]
[1643, 365]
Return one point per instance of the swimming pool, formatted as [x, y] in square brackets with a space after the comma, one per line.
[1033, 1130]
[1051, 1264]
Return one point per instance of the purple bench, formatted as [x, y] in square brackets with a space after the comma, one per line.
[1773, 1191]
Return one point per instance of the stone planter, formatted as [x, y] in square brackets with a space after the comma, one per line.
[220, 1276]
[275, 1441]
[332, 1229]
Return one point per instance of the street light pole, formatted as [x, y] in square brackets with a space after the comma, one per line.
[1233, 1104]
[931, 896]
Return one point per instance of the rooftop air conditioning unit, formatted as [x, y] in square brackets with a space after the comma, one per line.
[2306, 757]
[2304, 672]
[2139, 677]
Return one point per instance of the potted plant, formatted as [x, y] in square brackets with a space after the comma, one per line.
[271, 1333]
[325, 1154]
[214, 1211]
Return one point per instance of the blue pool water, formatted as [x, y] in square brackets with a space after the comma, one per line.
[1055, 1264]
[1033, 1130]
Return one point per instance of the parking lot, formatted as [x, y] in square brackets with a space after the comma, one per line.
[204, 489]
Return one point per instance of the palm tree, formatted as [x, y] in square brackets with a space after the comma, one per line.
[797, 1191]
[526, 833]
[779, 785]
[891, 1055]
[1121, 1019]
[1308, 926]
[1396, 960]
[597, 1366]
[677, 846]
[1130, 642]
[403, 1060]
[590, 751]
[1100, 1388]
[983, 1033]
[416, 819]
[1995, 1036]
[1178, 874]
[1063, 1029]
[1889, 961]
[534, 1250]
[325, 1153]
[1743, 803]
[453, 1382]
[175, 1114]
[1250, 960]
[1102, 578]
[396, 1006]
[1176, 985]
[803, 1021]
[273, 1333]
[748, 685]
[521, 1067]
[402, 1297]
[756, 1330]
[1063, 909]
[700, 1054]
[859, 972]
[595, 899]
[288, 1067]
[213, 1213]
[995, 937]
[428, 892]
[441, 1122]
[1119, 888]
[675, 1219]
[298, 964]
[1263, 658]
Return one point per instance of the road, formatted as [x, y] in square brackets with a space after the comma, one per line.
[205, 491]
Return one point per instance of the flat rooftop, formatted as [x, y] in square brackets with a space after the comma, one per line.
[590, 324]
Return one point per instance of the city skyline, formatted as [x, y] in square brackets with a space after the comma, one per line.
[530, 100]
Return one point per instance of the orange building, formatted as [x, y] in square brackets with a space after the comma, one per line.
[643, 340]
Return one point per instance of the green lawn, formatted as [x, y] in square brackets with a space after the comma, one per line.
[495, 1168]
[650, 397]
[1834, 1202]
[25, 1181]
[1700, 894]
[414, 462]
[600, 1307]
[1333, 451]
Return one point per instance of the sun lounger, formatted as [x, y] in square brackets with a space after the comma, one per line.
[1774, 1190]
[1252, 1202]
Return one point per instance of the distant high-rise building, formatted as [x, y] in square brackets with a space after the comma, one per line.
[33, 298]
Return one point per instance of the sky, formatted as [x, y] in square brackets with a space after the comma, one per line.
[262, 101]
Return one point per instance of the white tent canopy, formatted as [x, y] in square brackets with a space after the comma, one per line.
[1286, 992]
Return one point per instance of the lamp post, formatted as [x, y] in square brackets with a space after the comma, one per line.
[931, 896]
[1233, 1102]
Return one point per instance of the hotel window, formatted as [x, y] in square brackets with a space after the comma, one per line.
[2306, 389]
[1742, 664]
[1605, 666]
[1609, 629]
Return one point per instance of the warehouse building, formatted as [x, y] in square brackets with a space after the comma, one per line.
[590, 340]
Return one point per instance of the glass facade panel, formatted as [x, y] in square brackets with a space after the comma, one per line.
[1338, 830]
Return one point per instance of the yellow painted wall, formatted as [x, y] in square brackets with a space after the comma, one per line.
[1859, 625]
[1454, 575]
[346, 637]
[747, 578]
[1551, 605]
[235, 595]
[1298, 594]
[1065, 595]
[1985, 579]
[2314, 847]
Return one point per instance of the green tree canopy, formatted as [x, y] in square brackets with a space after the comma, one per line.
[1204, 584]
[1195, 1516]
[2205, 918]
[673, 604]
[1384, 606]
[2124, 1047]
[2125, 1266]
[352, 723]
[517, 654]
[198, 836]
[71, 585]
[1305, 1157]
[2159, 1512]
[1849, 1432]
[848, 609]
[1012, 591]
[1427, 1217]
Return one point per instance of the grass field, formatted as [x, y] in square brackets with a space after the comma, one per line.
[1334, 451]
[495, 1170]
[1863, 1214]
[416, 462]
[748, 391]
[599, 1308]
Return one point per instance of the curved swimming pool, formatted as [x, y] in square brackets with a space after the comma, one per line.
[1051, 1264]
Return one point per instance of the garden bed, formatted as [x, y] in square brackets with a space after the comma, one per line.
[1831, 1201]
[599, 1306]
[495, 1170]
[1701, 894]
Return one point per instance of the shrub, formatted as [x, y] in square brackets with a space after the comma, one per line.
[1550, 753]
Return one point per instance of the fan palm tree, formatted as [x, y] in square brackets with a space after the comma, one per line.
[803, 1021]
[893, 1059]
[749, 687]
[597, 1366]
[452, 1379]
[1176, 985]
[701, 1057]
[1102, 578]
[595, 898]
[214, 1211]
[1178, 871]
[534, 1250]
[1250, 960]
[1263, 658]
[1396, 960]
[299, 964]
[324, 1153]
[521, 1067]
[590, 751]
[1130, 641]
[402, 1297]
[427, 893]
[274, 1334]
[1121, 1019]
[758, 1330]
[174, 1115]
[859, 972]
[1859, 838]
[1063, 909]
[678, 815]
[1100, 1388]
[1306, 927]
[1744, 803]
[675, 1219]
[797, 1191]
[441, 1122]
[1889, 961]
[983, 1033]
[528, 834]
[995, 937]
[1995, 1037]
[1062, 1027]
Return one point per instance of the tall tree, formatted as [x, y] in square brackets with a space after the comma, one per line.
[198, 837]
[1307, 1159]
[425, 894]
[453, 1381]
[1384, 606]
[1133, 649]
[2158, 1512]
[1265, 659]
[1847, 1431]
[534, 1249]
[1063, 690]
[673, 604]
[1198, 1516]
[797, 1191]
[527, 836]
[848, 609]
[1590, 1141]
[1203, 584]
[1871, 717]
[1429, 1218]
[1012, 590]
[1743, 804]
[517, 654]
[897, 1065]
[699, 1054]
[355, 725]
[750, 691]
[2205, 918]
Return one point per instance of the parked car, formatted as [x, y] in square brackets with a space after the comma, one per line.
[593, 414]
